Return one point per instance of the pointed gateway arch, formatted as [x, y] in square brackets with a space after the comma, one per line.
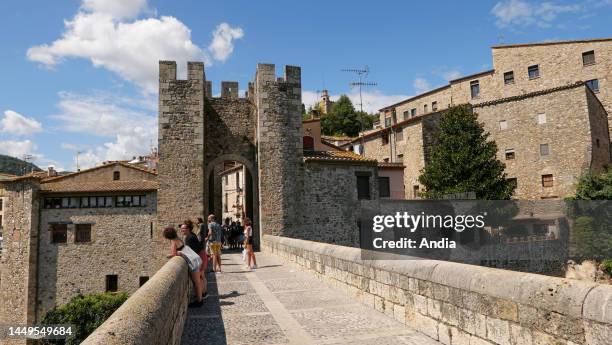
[198, 132]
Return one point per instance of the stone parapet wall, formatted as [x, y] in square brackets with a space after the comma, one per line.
[462, 304]
[154, 315]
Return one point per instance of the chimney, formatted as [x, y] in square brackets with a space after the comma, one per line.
[51, 171]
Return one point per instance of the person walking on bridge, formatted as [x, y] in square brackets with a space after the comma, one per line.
[249, 240]
[215, 234]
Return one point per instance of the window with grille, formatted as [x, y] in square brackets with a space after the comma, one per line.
[384, 187]
[399, 135]
[59, 233]
[82, 233]
[588, 58]
[533, 71]
[474, 88]
[547, 180]
[509, 77]
[363, 186]
[112, 283]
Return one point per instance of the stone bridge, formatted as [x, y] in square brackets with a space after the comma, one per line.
[313, 293]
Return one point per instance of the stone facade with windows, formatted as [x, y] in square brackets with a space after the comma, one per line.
[525, 68]
[83, 227]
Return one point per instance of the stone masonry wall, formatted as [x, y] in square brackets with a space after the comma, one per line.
[460, 304]
[181, 144]
[279, 145]
[154, 315]
[567, 132]
[18, 262]
[600, 134]
[559, 64]
[123, 243]
[332, 209]
[229, 135]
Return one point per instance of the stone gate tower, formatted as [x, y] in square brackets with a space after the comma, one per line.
[262, 131]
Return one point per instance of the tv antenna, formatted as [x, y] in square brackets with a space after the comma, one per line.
[362, 74]
[27, 158]
[77, 160]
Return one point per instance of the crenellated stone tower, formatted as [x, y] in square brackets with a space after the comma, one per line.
[198, 132]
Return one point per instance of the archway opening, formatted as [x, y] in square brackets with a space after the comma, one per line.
[232, 197]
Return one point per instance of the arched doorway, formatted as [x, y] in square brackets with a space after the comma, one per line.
[231, 191]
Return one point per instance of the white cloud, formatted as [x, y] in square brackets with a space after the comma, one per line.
[421, 85]
[128, 122]
[16, 124]
[222, 44]
[372, 100]
[16, 148]
[524, 13]
[106, 33]
[116, 8]
[451, 75]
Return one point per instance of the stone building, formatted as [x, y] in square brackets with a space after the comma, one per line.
[518, 69]
[80, 233]
[553, 96]
[232, 188]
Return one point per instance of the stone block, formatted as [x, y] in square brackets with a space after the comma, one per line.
[459, 337]
[498, 331]
[444, 334]
[596, 333]
[598, 304]
[520, 335]
[426, 325]
[399, 313]
[434, 308]
[420, 304]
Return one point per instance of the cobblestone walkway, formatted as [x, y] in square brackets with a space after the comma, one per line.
[279, 304]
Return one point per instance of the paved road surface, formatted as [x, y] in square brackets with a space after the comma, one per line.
[279, 304]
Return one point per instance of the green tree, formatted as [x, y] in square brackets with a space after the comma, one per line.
[593, 186]
[463, 160]
[366, 120]
[342, 119]
[86, 313]
[592, 214]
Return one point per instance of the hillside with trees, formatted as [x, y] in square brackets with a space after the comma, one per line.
[15, 166]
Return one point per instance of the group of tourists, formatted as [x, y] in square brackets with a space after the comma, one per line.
[200, 242]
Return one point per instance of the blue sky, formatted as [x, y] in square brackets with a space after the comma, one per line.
[81, 75]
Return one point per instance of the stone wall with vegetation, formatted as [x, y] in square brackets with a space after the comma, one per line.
[462, 304]
[153, 315]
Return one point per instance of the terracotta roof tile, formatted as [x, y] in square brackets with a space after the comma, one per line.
[106, 186]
